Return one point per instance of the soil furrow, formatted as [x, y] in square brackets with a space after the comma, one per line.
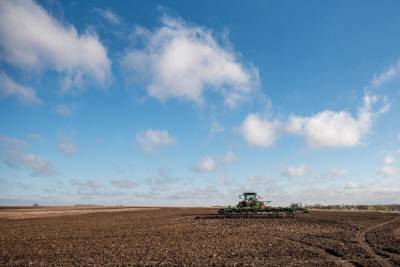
[362, 240]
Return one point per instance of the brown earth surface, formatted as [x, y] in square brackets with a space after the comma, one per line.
[38, 212]
[182, 236]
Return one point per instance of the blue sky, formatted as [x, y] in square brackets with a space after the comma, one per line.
[191, 103]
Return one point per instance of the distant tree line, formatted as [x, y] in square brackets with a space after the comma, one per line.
[389, 207]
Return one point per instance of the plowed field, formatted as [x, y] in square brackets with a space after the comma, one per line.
[175, 236]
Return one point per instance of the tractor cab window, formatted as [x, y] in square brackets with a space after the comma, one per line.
[250, 196]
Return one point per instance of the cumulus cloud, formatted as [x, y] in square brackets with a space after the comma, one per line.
[31, 38]
[206, 164]
[108, 15]
[258, 131]
[64, 110]
[123, 183]
[152, 140]
[13, 154]
[337, 129]
[179, 60]
[324, 129]
[295, 171]
[25, 94]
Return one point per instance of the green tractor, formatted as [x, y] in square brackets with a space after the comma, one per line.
[252, 201]
[252, 206]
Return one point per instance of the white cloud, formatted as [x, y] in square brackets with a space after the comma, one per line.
[152, 140]
[31, 38]
[64, 110]
[123, 183]
[206, 164]
[25, 94]
[330, 129]
[337, 129]
[68, 147]
[258, 131]
[324, 129]
[338, 172]
[229, 157]
[295, 171]
[108, 15]
[183, 61]
[14, 156]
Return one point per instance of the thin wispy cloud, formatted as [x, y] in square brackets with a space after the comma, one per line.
[229, 157]
[206, 164]
[295, 171]
[14, 155]
[24, 94]
[123, 183]
[386, 76]
[64, 109]
[338, 172]
[389, 166]
[66, 144]
[108, 15]
[90, 183]
[216, 127]
[153, 139]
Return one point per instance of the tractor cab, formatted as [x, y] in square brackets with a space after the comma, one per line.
[249, 196]
[250, 199]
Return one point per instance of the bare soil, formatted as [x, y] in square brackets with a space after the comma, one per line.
[173, 236]
[38, 212]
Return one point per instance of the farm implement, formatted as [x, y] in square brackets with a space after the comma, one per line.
[252, 206]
